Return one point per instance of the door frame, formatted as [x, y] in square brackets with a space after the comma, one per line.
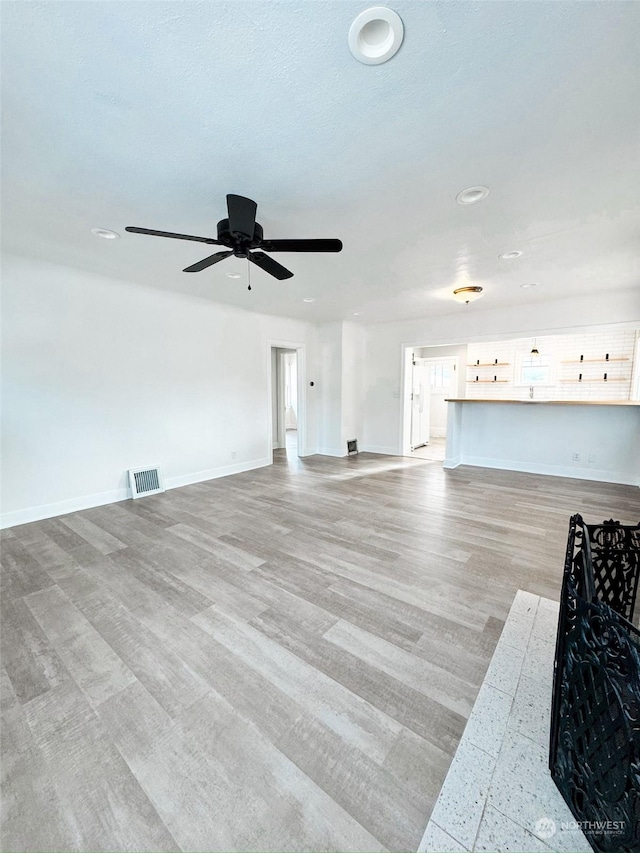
[301, 367]
[406, 382]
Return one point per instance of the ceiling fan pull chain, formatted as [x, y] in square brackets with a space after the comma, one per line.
[249, 272]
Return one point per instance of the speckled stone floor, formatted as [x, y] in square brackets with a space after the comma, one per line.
[498, 794]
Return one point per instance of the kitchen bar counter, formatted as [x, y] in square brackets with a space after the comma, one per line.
[588, 440]
[549, 402]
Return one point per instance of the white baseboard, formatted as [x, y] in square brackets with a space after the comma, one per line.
[595, 474]
[215, 473]
[451, 462]
[38, 513]
[331, 451]
[385, 451]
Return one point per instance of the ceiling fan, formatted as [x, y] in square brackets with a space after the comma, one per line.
[242, 236]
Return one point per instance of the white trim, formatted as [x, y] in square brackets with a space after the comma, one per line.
[331, 451]
[404, 439]
[385, 451]
[452, 462]
[37, 513]
[215, 473]
[595, 474]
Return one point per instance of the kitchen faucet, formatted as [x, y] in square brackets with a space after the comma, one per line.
[531, 392]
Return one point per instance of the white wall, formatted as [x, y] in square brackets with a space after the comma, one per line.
[101, 375]
[385, 343]
[341, 353]
[353, 344]
[330, 389]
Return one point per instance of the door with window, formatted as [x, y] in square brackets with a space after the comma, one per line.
[442, 384]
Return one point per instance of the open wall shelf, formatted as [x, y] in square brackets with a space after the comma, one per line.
[593, 360]
[611, 379]
[491, 381]
[491, 364]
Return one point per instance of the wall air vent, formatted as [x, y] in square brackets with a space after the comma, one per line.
[145, 481]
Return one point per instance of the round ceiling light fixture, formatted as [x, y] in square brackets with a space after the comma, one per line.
[309, 299]
[233, 275]
[510, 256]
[105, 233]
[526, 286]
[472, 195]
[376, 35]
[467, 294]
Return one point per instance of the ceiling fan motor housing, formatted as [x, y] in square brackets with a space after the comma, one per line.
[240, 243]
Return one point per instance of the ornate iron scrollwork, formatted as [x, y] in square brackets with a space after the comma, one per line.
[595, 719]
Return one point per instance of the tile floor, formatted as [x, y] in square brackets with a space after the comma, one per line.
[498, 787]
[435, 450]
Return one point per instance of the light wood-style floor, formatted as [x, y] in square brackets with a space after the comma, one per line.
[279, 660]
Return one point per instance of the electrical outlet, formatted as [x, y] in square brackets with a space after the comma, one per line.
[592, 457]
[576, 457]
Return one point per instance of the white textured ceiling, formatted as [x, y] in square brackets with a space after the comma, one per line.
[136, 113]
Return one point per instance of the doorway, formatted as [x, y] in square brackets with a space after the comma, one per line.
[429, 382]
[285, 402]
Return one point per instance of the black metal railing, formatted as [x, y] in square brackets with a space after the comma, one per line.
[595, 718]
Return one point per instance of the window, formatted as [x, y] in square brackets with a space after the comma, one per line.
[534, 370]
[440, 375]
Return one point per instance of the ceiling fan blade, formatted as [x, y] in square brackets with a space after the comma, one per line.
[208, 262]
[269, 265]
[242, 215]
[153, 233]
[301, 245]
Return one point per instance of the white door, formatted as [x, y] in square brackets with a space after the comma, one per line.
[442, 385]
[419, 404]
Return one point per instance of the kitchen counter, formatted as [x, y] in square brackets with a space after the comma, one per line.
[549, 402]
[582, 439]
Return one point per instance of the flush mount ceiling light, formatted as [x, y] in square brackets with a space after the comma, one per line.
[309, 299]
[105, 233]
[233, 275]
[356, 313]
[510, 256]
[467, 294]
[472, 195]
[376, 35]
[525, 286]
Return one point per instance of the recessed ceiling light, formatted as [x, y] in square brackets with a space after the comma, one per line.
[105, 233]
[525, 286]
[233, 275]
[356, 313]
[376, 35]
[309, 299]
[472, 195]
[467, 294]
[510, 256]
